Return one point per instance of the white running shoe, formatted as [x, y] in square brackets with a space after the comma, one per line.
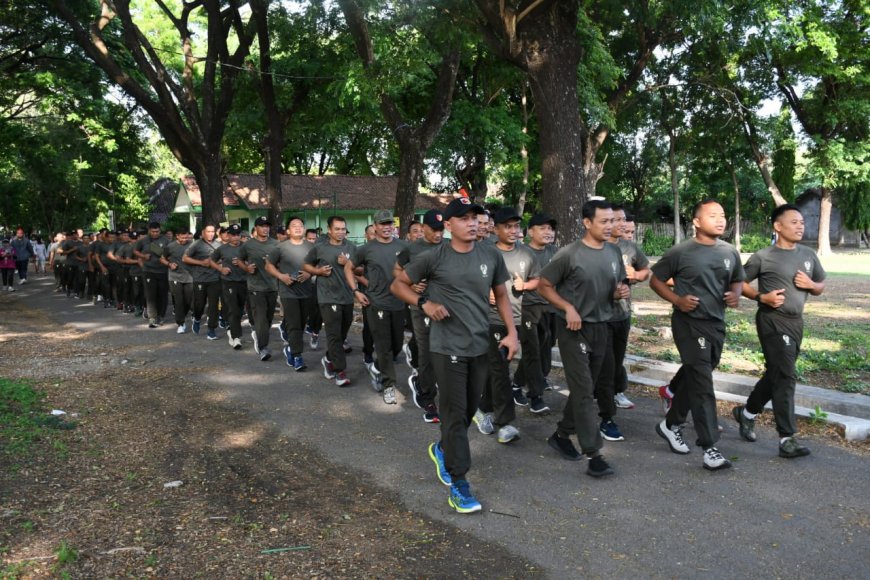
[622, 401]
[256, 345]
[390, 395]
[483, 422]
[674, 437]
[713, 460]
[508, 433]
[406, 350]
[182, 328]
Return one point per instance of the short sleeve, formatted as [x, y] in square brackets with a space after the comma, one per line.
[665, 268]
[752, 267]
[737, 272]
[557, 269]
[311, 257]
[420, 267]
[501, 274]
[641, 262]
[819, 273]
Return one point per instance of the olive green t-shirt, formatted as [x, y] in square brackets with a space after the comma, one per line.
[101, 250]
[542, 258]
[76, 253]
[174, 252]
[147, 245]
[586, 277]
[289, 259]
[224, 256]
[332, 289]
[254, 252]
[378, 260]
[202, 250]
[413, 250]
[461, 283]
[518, 260]
[776, 268]
[702, 270]
[632, 256]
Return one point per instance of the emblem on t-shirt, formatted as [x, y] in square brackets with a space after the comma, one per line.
[614, 268]
[497, 335]
[335, 307]
[483, 269]
[727, 263]
[583, 347]
[808, 266]
[786, 339]
[529, 324]
[426, 321]
[453, 359]
[702, 342]
[380, 314]
[522, 266]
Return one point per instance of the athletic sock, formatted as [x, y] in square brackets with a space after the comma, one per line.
[749, 415]
[783, 440]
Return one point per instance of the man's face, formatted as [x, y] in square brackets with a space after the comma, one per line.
[432, 236]
[415, 233]
[337, 231]
[154, 233]
[208, 233]
[261, 231]
[541, 235]
[370, 233]
[234, 239]
[384, 231]
[508, 232]
[790, 226]
[170, 234]
[296, 229]
[618, 223]
[311, 237]
[482, 226]
[19, 233]
[110, 238]
[463, 228]
[628, 231]
[600, 227]
[711, 220]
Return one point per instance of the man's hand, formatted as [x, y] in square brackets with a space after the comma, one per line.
[512, 345]
[173, 266]
[419, 288]
[435, 311]
[732, 299]
[492, 298]
[361, 297]
[519, 283]
[572, 318]
[629, 272]
[342, 259]
[774, 298]
[804, 282]
[302, 276]
[287, 279]
[687, 303]
[225, 271]
[251, 268]
[325, 271]
[622, 292]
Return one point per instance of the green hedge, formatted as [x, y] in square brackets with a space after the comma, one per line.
[656, 245]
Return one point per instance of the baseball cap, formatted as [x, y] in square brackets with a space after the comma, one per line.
[434, 219]
[133, 235]
[234, 230]
[384, 216]
[262, 221]
[280, 230]
[505, 214]
[461, 206]
[540, 219]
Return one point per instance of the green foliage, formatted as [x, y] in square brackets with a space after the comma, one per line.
[818, 416]
[19, 405]
[751, 243]
[66, 554]
[656, 245]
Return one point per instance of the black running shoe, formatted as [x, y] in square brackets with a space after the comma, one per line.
[598, 467]
[564, 446]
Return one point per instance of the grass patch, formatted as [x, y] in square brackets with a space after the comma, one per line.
[20, 404]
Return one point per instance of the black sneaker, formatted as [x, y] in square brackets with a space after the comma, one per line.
[415, 392]
[520, 397]
[430, 414]
[747, 426]
[598, 467]
[537, 405]
[564, 446]
[790, 448]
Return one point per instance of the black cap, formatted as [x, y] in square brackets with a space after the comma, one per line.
[434, 219]
[505, 214]
[280, 230]
[234, 230]
[133, 235]
[461, 206]
[262, 221]
[540, 219]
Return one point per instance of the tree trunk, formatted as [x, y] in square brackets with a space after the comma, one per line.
[736, 207]
[672, 164]
[410, 172]
[209, 178]
[524, 153]
[761, 160]
[824, 248]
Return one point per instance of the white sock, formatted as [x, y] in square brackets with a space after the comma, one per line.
[783, 440]
[749, 415]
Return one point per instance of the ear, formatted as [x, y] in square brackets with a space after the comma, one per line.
[587, 223]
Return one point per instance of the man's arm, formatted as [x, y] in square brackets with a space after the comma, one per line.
[350, 278]
[403, 289]
[503, 304]
[548, 292]
[683, 303]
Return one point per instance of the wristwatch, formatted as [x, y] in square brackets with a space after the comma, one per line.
[758, 298]
[421, 301]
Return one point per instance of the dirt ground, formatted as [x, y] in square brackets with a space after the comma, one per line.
[252, 503]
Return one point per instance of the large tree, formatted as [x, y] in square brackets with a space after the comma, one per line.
[187, 95]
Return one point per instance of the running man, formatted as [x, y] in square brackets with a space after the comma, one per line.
[707, 276]
[583, 281]
[262, 288]
[460, 276]
[206, 281]
[234, 285]
[149, 249]
[180, 278]
[787, 274]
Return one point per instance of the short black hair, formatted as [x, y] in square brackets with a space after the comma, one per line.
[295, 217]
[617, 207]
[697, 208]
[154, 226]
[414, 223]
[334, 218]
[182, 230]
[592, 206]
[629, 217]
[777, 212]
[310, 231]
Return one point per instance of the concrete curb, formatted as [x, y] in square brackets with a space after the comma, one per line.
[849, 411]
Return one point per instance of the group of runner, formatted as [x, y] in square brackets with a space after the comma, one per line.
[470, 301]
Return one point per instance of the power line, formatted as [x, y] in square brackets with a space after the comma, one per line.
[248, 69]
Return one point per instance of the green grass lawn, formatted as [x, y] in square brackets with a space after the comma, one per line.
[836, 342]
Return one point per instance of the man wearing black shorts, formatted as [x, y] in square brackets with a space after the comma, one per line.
[460, 276]
[787, 274]
[707, 276]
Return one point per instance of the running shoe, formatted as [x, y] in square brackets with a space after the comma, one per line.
[328, 369]
[747, 426]
[714, 461]
[790, 449]
[313, 342]
[237, 344]
[667, 399]
[265, 354]
[256, 344]
[461, 498]
[436, 454]
[598, 467]
[230, 338]
[299, 364]
[483, 422]
[406, 350]
[610, 430]
[564, 447]
[508, 434]
[519, 397]
[415, 394]
[211, 335]
[285, 338]
[288, 354]
[182, 328]
[152, 323]
[197, 324]
[430, 413]
[622, 401]
[341, 379]
[390, 395]
[537, 405]
[674, 437]
[375, 376]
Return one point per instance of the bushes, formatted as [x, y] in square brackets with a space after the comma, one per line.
[656, 245]
[751, 243]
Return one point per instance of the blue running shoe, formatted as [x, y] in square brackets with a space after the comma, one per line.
[197, 324]
[211, 335]
[299, 364]
[610, 431]
[289, 356]
[437, 455]
[461, 498]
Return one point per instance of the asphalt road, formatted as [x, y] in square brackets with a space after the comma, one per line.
[660, 515]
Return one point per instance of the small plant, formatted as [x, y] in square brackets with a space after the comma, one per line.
[818, 416]
[66, 554]
[656, 245]
[27, 526]
[151, 560]
[20, 404]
